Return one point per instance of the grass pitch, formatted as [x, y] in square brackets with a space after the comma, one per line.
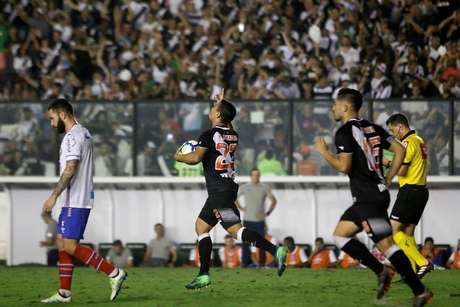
[25, 286]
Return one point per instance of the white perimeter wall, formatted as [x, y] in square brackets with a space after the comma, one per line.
[129, 215]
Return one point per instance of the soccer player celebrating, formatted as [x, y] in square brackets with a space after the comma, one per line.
[360, 147]
[75, 187]
[412, 195]
[216, 150]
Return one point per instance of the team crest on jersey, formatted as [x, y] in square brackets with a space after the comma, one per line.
[369, 130]
[405, 143]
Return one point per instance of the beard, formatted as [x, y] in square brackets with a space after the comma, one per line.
[60, 126]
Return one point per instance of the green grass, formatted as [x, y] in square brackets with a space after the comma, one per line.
[25, 286]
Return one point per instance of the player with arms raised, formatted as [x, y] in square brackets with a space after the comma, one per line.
[360, 147]
[76, 191]
[216, 150]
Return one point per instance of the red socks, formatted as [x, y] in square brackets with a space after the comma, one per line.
[90, 257]
[65, 270]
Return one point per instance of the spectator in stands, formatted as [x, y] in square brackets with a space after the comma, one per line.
[255, 195]
[186, 170]
[255, 252]
[296, 257]
[161, 251]
[322, 257]
[52, 253]
[347, 262]
[381, 87]
[269, 165]
[230, 254]
[215, 44]
[147, 161]
[305, 166]
[454, 259]
[119, 255]
[430, 252]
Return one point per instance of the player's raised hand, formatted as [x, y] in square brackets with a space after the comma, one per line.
[219, 97]
[48, 205]
[321, 145]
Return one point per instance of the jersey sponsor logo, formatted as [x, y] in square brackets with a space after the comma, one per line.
[230, 137]
[405, 143]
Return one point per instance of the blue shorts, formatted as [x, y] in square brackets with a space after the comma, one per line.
[72, 222]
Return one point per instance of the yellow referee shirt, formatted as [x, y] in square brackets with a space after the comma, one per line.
[416, 159]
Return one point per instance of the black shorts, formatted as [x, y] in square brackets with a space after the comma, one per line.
[371, 217]
[220, 207]
[410, 203]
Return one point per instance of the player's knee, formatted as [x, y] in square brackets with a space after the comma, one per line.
[233, 230]
[69, 247]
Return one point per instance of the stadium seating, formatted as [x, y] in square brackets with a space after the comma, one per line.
[138, 251]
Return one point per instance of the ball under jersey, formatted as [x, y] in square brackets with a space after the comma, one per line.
[77, 144]
[219, 159]
[365, 141]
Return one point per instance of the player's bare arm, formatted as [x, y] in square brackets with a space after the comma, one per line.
[341, 162]
[192, 158]
[397, 161]
[64, 181]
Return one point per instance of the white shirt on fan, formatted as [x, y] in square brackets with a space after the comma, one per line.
[77, 144]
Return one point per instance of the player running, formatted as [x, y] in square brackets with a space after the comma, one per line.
[76, 189]
[360, 147]
[216, 150]
[412, 195]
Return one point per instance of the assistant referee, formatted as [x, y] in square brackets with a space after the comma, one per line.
[413, 193]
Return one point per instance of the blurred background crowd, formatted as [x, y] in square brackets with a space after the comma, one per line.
[134, 49]
[187, 50]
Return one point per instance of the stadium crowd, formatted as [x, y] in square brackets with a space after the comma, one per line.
[134, 49]
[266, 50]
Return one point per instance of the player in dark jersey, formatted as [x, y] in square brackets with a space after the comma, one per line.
[360, 147]
[216, 150]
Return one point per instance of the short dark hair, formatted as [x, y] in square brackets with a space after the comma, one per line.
[398, 118]
[117, 243]
[289, 239]
[352, 96]
[319, 239]
[228, 237]
[61, 105]
[429, 239]
[254, 169]
[227, 111]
